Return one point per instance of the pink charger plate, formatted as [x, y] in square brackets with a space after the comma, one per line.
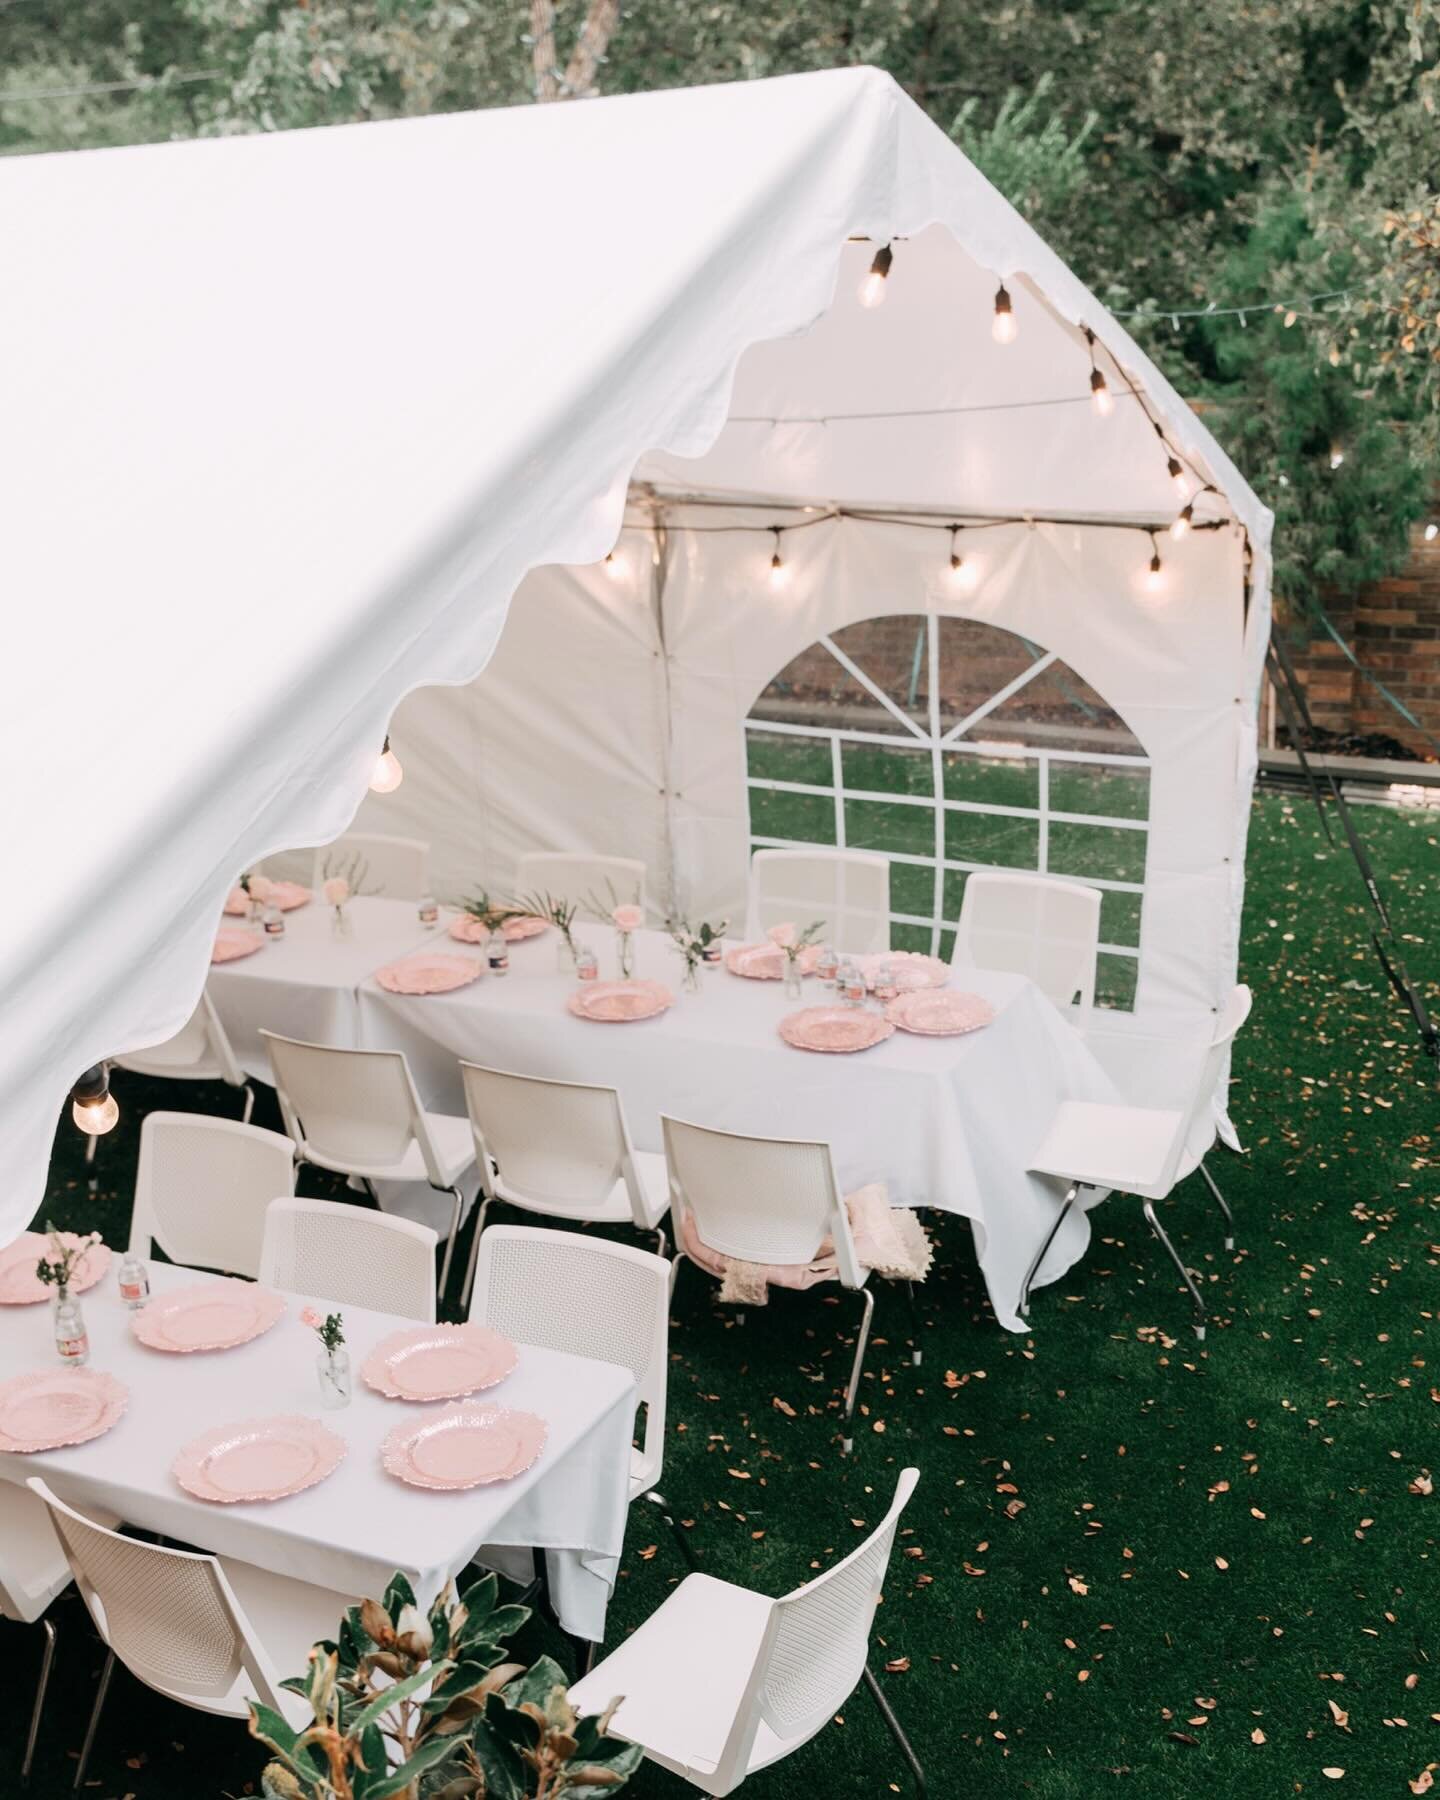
[837, 1029]
[939, 1012]
[431, 972]
[212, 1315]
[231, 942]
[21, 1286]
[766, 962]
[287, 895]
[464, 1446]
[258, 1459]
[47, 1408]
[439, 1362]
[467, 929]
[910, 968]
[618, 1002]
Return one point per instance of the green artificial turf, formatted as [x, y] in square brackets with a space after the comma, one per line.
[1134, 1563]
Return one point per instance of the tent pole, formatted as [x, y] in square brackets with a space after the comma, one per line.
[659, 571]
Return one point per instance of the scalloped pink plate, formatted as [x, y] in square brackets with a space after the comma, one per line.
[287, 895]
[932, 1012]
[431, 972]
[439, 1362]
[232, 943]
[838, 1029]
[464, 1446]
[467, 929]
[910, 969]
[618, 1002]
[766, 962]
[212, 1315]
[258, 1459]
[47, 1408]
[21, 1286]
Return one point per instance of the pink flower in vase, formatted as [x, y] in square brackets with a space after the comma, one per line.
[262, 889]
[627, 918]
[336, 890]
[783, 936]
[309, 1316]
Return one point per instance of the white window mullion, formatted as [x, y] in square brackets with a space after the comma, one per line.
[937, 781]
[999, 698]
[1042, 857]
[837, 777]
[870, 688]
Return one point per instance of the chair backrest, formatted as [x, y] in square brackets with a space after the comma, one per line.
[584, 1295]
[815, 1646]
[766, 1200]
[562, 1143]
[397, 868]
[199, 1051]
[847, 890]
[1033, 925]
[578, 876]
[202, 1188]
[1198, 1130]
[169, 1615]
[358, 1108]
[33, 1569]
[332, 1250]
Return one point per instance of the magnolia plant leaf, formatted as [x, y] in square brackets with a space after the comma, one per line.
[536, 1686]
[277, 1734]
[398, 1595]
[391, 1696]
[400, 1780]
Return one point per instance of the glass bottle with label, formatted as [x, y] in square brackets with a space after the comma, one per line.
[134, 1282]
[72, 1341]
[429, 911]
[497, 953]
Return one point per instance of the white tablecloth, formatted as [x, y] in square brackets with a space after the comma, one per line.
[943, 1122]
[303, 984]
[354, 1530]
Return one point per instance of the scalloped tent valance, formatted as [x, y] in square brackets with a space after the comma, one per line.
[289, 417]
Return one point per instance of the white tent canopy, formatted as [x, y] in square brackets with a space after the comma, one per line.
[291, 417]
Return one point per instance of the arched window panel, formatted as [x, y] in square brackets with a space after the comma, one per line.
[949, 745]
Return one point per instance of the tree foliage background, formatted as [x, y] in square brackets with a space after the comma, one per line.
[1241, 154]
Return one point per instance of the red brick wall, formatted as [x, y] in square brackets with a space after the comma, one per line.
[1393, 627]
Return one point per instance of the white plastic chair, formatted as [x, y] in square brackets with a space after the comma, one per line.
[562, 1149]
[847, 890]
[1142, 1150]
[330, 1250]
[356, 1112]
[589, 1297]
[1036, 926]
[720, 1681]
[766, 1200]
[203, 1630]
[578, 877]
[202, 1188]
[199, 1051]
[33, 1572]
[397, 868]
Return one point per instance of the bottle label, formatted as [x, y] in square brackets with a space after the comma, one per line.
[134, 1289]
[74, 1349]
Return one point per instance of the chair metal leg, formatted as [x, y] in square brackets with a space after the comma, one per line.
[896, 1730]
[910, 1301]
[46, 1659]
[249, 1103]
[662, 1243]
[454, 1232]
[1224, 1206]
[95, 1711]
[681, 1536]
[591, 1647]
[1159, 1230]
[847, 1442]
[1041, 1254]
[470, 1266]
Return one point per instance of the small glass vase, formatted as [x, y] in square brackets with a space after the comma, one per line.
[72, 1341]
[333, 1369]
[691, 981]
[625, 953]
[565, 955]
[341, 924]
[794, 989]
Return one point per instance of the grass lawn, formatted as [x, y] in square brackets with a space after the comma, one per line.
[1134, 1563]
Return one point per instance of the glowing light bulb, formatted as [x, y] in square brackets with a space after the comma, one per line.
[1154, 575]
[1432, 530]
[964, 573]
[96, 1117]
[616, 566]
[1182, 524]
[387, 773]
[1177, 472]
[779, 572]
[1337, 456]
[1003, 328]
[1100, 393]
[872, 288]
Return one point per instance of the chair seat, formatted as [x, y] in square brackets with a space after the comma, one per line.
[454, 1148]
[1122, 1147]
[683, 1674]
[175, 1067]
[614, 1209]
[287, 1617]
